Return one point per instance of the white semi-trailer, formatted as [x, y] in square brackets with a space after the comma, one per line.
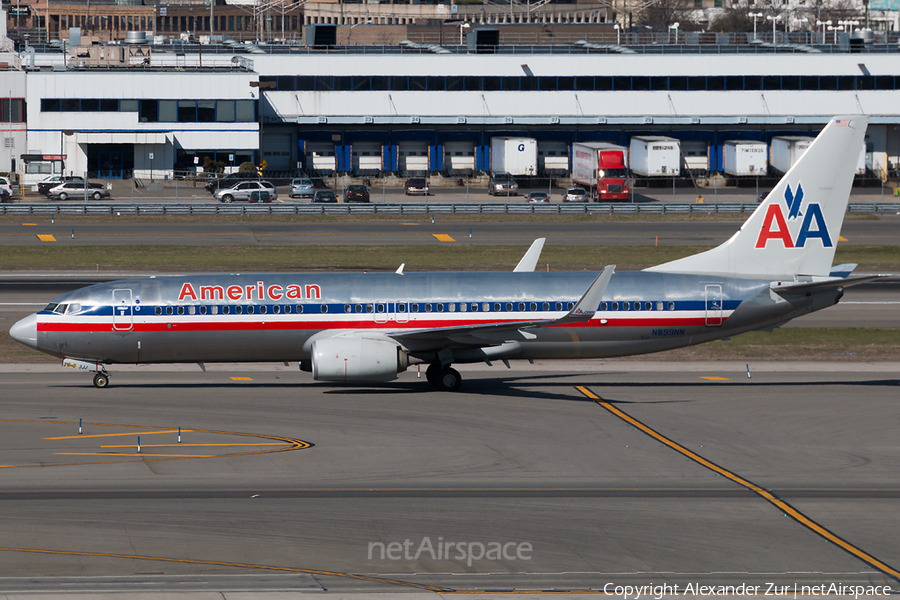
[655, 156]
[786, 150]
[514, 155]
[745, 158]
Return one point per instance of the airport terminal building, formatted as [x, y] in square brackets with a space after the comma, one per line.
[153, 110]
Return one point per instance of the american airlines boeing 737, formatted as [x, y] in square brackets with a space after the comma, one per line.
[372, 326]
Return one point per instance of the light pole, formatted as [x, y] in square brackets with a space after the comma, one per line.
[674, 26]
[755, 16]
[618, 34]
[835, 29]
[801, 20]
[462, 26]
[774, 20]
[823, 24]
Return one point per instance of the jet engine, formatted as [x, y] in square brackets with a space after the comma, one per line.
[357, 359]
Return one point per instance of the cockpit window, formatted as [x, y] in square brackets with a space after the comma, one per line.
[61, 308]
[73, 308]
[51, 307]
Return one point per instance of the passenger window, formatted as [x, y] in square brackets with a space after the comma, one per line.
[324, 308]
[648, 306]
[191, 310]
[159, 310]
[359, 308]
[213, 310]
[534, 306]
[276, 309]
[226, 310]
[637, 306]
[347, 308]
[615, 306]
[238, 310]
[559, 306]
[440, 307]
[381, 308]
[401, 308]
[180, 310]
[671, 306]
[263, 309]
[250, 310]
[521, 306]
[299, 308]
[170, 310]
[626, 306]
[415, 307]
[486, 307]
[202, 310]
[603, 306]
[546, 306]
[497, 307]
[370, 308]
[451, 307]
[428, 307]
[659, 306]
[463, 307]
[509, 306]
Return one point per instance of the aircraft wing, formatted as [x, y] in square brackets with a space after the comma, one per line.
[496, 333]
[810, 287]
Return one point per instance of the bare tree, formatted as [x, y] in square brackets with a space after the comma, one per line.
[660, 15]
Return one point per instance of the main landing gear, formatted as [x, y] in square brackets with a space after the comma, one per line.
[443, 378]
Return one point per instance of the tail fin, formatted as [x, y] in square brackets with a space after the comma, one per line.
[795, 229]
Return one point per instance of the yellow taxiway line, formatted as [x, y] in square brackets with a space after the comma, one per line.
[771, 498]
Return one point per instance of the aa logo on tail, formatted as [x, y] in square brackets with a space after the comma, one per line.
[775, 226]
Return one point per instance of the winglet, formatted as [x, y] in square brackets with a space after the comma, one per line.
[399, 271]
[585, 308]
[529, 261]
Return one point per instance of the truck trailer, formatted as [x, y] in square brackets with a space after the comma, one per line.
[655, 156]
[786, 150]
[602, 169]
[745, 158]
[514, 155]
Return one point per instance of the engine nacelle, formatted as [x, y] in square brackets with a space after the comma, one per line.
[357, 359]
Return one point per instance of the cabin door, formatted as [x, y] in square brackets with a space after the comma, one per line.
[123, 318]
[713, 305]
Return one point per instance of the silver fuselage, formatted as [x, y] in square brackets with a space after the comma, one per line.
[274, 317]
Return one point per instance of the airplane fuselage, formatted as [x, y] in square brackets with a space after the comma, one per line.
[275, 317]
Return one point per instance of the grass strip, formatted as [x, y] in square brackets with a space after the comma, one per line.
[372, 257]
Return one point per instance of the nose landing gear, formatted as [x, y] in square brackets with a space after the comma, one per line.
[101, 377]
[101, 380]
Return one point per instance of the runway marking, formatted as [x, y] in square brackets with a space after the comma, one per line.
[46, 237]
[765, 494]
[842, 239]
[713, 378]
[242, 378]
[409, 223]
[443, 237]
[192, 445]
[96, 435]
[29, 224]
[221, 563]
[282, 444]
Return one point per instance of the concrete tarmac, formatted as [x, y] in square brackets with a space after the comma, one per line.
[608, 474]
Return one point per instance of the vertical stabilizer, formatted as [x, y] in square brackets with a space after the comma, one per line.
[796, 228]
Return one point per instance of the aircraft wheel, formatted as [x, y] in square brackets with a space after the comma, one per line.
[433, 373]
[101, 380]
[450, 380]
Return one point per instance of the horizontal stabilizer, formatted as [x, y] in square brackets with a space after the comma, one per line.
[801, 287]
[842, 270]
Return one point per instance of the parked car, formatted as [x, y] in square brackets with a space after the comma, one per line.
[575, 194]
[416, 185]
[356, 193]
[762, 196]
[44, 186]
[6, 185]
[229, 180]
[503, 184]
[325, 196]
[301, 188]
[76, 190]
[248, 191]
[538, 197]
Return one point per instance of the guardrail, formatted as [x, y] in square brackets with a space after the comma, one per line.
[650, 208]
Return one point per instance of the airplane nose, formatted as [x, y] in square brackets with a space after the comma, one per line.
[25, 331]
